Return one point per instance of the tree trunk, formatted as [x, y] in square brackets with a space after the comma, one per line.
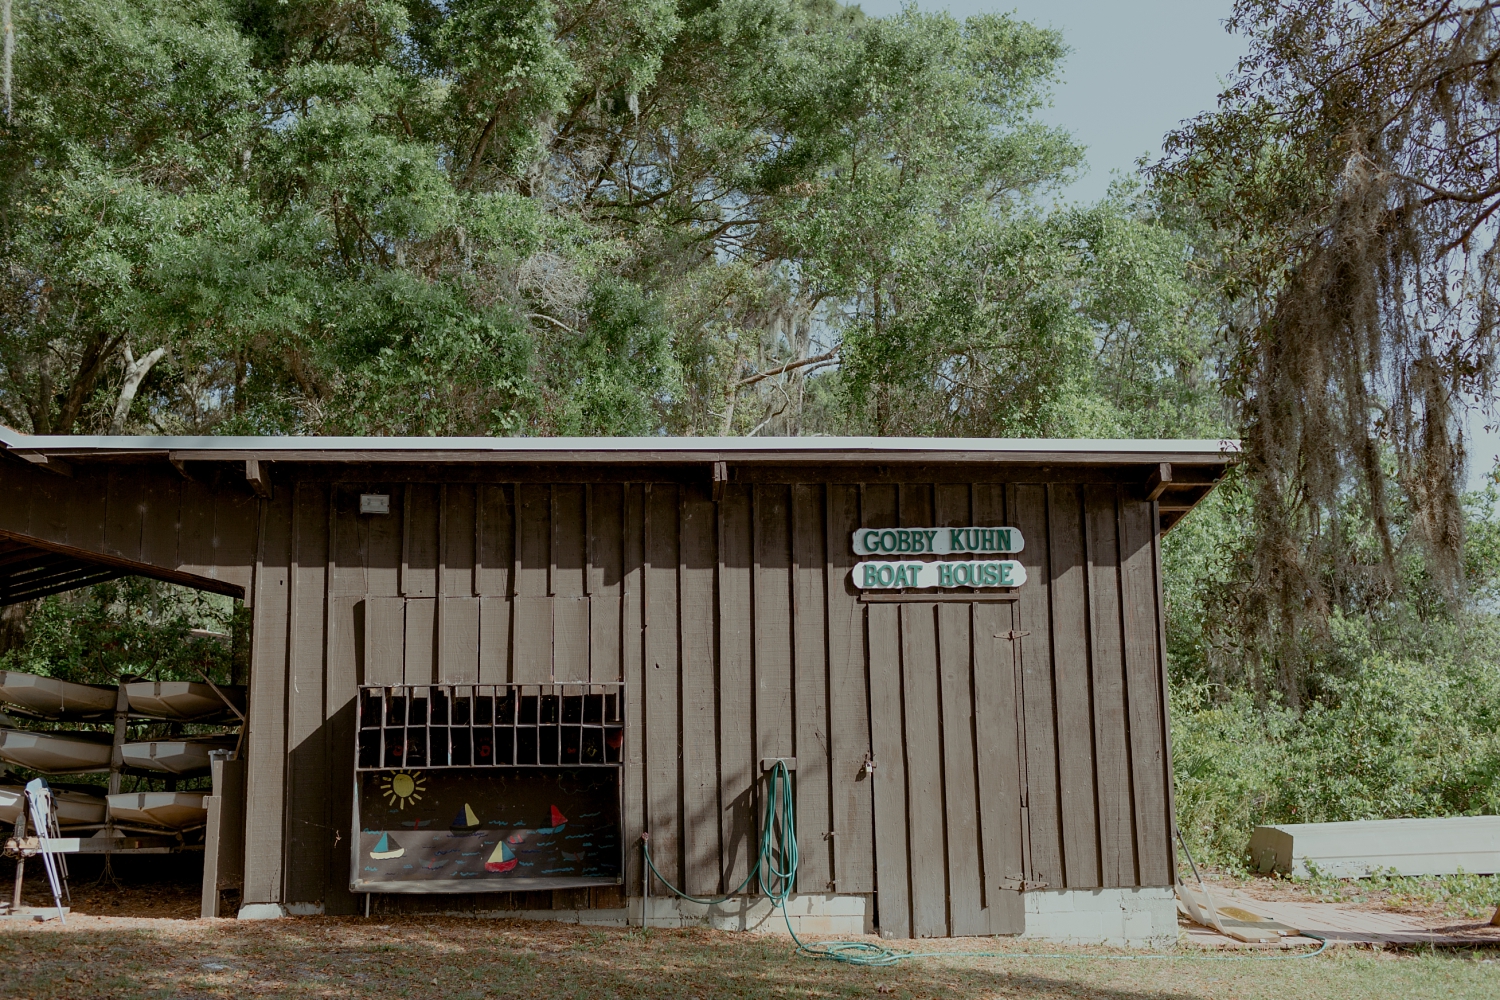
[135, 373]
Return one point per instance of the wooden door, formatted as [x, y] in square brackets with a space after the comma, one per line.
[948, 804]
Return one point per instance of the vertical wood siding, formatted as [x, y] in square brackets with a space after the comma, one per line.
[946, 751]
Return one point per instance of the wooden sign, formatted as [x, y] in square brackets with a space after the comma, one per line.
[894, 575]
[937, 541]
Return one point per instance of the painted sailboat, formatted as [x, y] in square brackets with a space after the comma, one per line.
[465, 820]
[559, 822]
[502, 859]
[384, 850]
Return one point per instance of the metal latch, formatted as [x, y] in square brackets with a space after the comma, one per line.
[1021, 885]
[1012, 634]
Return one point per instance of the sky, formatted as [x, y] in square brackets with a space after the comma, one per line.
[1137, 69]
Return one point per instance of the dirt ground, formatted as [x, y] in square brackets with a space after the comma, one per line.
[141, 940]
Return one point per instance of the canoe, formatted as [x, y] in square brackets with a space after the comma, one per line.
[182, 701]
[55, 699]
[180, 756]
[53, 753]
[173, 810]
[73, 808]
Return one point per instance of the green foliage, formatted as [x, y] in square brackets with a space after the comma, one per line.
[130, 627]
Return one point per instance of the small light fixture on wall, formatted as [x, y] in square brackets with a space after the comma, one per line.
[374, 503]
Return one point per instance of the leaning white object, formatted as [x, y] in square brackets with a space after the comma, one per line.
[172, 810]
[56, 753]
[1358, 849]
[44, 817]
[53, 698]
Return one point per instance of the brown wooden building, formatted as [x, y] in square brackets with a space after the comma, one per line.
[957, 749]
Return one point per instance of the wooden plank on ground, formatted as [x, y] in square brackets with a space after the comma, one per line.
[632, 608]
[421, 641]
[494, 640]
[307, 749]
[700, 774]
[662, 680]
[892, 882]
[925, 810]
[966, 916]
[1026, 507]
[496, 530]
[570, 638]
[996, 711]
[1148, 751]
[420, 543]
[737, 764]
[458, 643]
[810, 669]
[1111, 730]
[1074, 689]
[266, 742]
[532, 639]
[849, 721]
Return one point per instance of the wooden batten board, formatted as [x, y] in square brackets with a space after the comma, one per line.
[810, 689]
[1073, 686]
[848, 704]
[925, 809]
[495, 530]
[569, 539]
[266, 743]
[494, 640]
[570, 638]
[531, 639]
[385, 640]
[533, 545]
[307, 822]
[662, 681]
[343, 674]
[606, 513]
[892, 876]
[966, 914]
[348, 542]
[697, 567]
[1107, 654]
[420, 542]
[1150, 775]
[632, 607]
[998, 768]
[772, 634]
[384, 536]
[122, 519]
[420, 666]
[1042, 844]
[737, 757]
[459, 541]
[458, 640]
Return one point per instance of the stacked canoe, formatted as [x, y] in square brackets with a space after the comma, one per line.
[76, 751]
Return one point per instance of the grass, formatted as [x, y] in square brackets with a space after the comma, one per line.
[459, 959]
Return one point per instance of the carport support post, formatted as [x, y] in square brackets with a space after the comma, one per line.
[15, 903]
[117, 755]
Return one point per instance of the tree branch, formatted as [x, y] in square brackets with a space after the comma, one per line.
[135, 373]
[790, 365]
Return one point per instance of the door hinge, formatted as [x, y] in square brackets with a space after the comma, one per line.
[1021, 884]
[1012, 635]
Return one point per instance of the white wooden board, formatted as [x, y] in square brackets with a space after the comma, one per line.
[1358, 849]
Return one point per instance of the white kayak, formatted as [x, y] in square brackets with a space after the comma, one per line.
[179, 756]
[182, 701]
[53, 698]
[73, 808]
[53, 753]
[173, 810]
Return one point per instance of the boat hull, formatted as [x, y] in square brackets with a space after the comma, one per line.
[169, 810]
[182, 701]
[175, 756]
[55, 753]
[55, 699]
[73, 808]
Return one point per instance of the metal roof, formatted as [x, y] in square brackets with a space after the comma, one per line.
[1069, 451]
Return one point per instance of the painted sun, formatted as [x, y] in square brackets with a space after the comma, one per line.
[402, 787]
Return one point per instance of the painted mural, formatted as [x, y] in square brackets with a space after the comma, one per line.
[490, 827]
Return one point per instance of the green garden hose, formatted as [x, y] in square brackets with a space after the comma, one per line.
[776, 865]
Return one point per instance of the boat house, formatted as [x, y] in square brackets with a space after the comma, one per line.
[482, 669]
